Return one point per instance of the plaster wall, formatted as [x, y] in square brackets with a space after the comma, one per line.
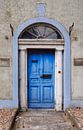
[15, 12]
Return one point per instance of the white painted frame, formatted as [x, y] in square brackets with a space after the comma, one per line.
[24, 45]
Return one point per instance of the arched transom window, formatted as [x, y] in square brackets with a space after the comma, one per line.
[41, 31]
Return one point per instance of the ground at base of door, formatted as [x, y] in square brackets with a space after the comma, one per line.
[43, 120]
[6, 118]
[76, 115]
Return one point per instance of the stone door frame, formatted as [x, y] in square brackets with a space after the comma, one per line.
[66, 62]
[58, 46]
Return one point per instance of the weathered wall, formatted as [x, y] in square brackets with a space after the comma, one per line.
[16, 12]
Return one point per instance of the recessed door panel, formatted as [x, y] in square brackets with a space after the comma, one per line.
[34, 94]
[47, 94]
[41, 79]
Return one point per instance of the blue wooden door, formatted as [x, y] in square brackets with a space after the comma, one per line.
[41, 79]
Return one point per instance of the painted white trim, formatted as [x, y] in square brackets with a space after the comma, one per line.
[42, 45]
[58, 80]
[58, 76]
[23, 101]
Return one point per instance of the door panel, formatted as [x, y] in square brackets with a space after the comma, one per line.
[34, 94]
[47, 63]
[41, 79]
[47, 94]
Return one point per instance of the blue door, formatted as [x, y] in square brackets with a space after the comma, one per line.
[41, 79]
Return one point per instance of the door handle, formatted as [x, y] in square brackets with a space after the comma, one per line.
[46, 76]
[35, 61]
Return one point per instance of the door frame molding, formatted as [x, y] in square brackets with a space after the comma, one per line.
[58, 46]
[67, 59]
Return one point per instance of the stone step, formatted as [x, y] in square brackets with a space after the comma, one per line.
[43, 120]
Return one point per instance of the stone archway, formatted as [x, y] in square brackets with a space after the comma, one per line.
[66, 68]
